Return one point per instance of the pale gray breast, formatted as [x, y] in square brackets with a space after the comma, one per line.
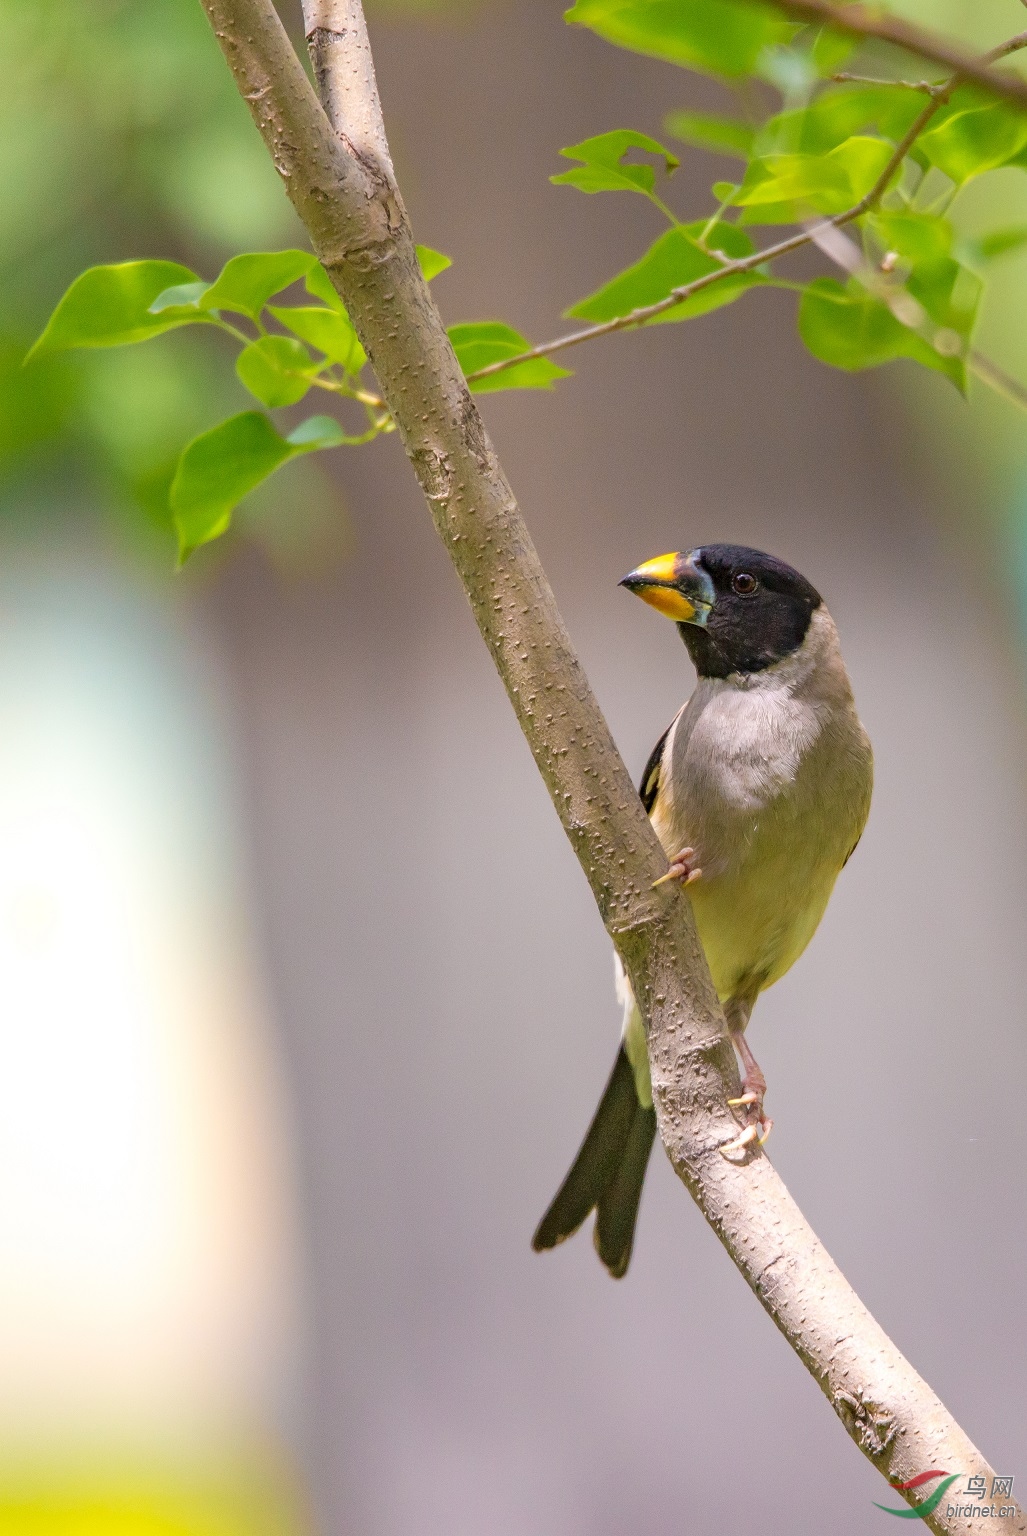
[768, 777]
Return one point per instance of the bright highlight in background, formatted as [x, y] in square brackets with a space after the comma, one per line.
[146, 1235]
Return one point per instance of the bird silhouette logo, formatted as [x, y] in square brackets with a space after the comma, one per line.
[926, 1506]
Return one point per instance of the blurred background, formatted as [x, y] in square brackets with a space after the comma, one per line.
[305, 1004]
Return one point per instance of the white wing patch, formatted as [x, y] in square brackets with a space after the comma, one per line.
[633, 1035]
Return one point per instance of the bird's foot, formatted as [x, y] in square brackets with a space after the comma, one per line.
[757, 1126]
[682, 867]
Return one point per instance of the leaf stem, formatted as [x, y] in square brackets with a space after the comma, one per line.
[341, 387]
[718, 214]
[995, 377]
[233, 330]
[668, 213]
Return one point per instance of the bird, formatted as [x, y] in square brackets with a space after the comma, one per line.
[759, 791]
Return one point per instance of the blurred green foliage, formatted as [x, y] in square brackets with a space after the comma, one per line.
[121, 135]
[882, 158]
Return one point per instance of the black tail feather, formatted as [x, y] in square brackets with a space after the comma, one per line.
[618, 1205]
[607, 1174]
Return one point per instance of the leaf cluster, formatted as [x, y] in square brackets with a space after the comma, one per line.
[284, 350]
[869, 169]
[820, 151]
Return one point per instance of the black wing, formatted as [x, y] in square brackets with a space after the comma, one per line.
[649, 788]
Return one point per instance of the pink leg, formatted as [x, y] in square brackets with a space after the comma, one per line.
[757, 1126]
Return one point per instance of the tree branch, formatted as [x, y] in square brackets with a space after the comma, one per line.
[359, 231]
[861, 21]
[340, 53]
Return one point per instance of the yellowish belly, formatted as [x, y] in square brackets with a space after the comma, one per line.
[751, 937]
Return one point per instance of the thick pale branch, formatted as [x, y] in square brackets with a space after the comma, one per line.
[359, 232]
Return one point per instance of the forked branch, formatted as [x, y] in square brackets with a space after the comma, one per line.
[352, 209]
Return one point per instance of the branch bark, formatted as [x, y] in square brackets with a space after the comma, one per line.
[340, 54]
[349, 202]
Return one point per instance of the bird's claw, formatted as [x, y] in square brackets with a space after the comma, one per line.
[757, 1127]
[756, 1131]
[739, 1143]
[681, 868]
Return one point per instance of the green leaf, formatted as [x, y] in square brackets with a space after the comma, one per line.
[110, 307]
[722, 37]
[479, 344]
[182, 296]
[783, 189]
[724, 135]
[244, 284]
[431, 262]
[967, 142]
[836, 115]
[329, 330]
[916, 237]
[218, 468]
[276, 369]
[603, 169]
[831, 50]
[247, 282]
[951, 295]
[1000, 242]
[318, 432]
[319, 285]
[673, 260]
[850, 328]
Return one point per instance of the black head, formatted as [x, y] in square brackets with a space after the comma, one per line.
[738, 610]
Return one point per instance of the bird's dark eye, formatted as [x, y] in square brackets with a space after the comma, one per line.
[744, 584]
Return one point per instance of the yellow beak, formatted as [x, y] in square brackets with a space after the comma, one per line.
[674, 585]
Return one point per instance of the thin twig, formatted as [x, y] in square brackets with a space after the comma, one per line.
[740, 264]
[1012, 46]
[843, 77]
[995, 377]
